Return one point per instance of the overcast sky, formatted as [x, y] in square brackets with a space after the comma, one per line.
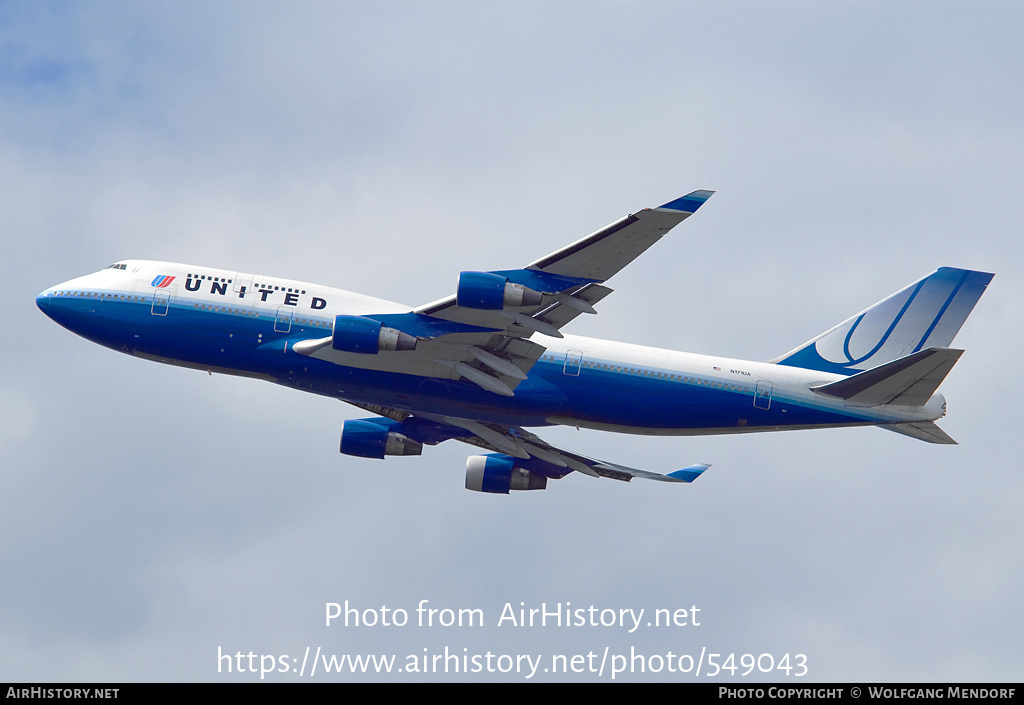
[152, 515]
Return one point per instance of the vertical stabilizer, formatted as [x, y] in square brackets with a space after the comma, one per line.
[926, 314]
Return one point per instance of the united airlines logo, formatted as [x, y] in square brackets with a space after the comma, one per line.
[162, 281]
[219, 286]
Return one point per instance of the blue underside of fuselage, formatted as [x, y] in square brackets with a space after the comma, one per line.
[249, 345]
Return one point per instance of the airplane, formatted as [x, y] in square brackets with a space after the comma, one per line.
[490, 361]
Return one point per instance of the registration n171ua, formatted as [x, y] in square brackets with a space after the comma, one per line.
[490, 361]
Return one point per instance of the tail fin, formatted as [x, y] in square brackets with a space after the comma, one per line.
[928, 313]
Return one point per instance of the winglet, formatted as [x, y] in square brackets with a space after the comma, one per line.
[688, 203]
[689, 474]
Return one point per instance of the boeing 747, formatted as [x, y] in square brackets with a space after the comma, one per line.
[490, 361]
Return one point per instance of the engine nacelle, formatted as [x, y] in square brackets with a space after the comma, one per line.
[358, 334]
[498, 473]
[494, 292]
[371, 440]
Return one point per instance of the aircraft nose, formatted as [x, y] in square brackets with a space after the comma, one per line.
[43, 300]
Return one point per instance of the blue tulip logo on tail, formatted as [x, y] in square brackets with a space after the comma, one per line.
[927, 313]
[162, 281]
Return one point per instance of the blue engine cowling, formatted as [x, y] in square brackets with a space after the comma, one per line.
[367, 439]
[358, 334]
[486, 290]
[498, 473]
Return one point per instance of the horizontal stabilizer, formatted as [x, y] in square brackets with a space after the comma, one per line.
[908, 381]
[925, 431]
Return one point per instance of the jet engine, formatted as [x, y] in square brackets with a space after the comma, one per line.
[371, 440]
[492, 291]
[498, 473]
[359, 334]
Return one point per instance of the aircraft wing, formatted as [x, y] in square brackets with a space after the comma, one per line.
[514, 447]
[481, 333]
[568, 281]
